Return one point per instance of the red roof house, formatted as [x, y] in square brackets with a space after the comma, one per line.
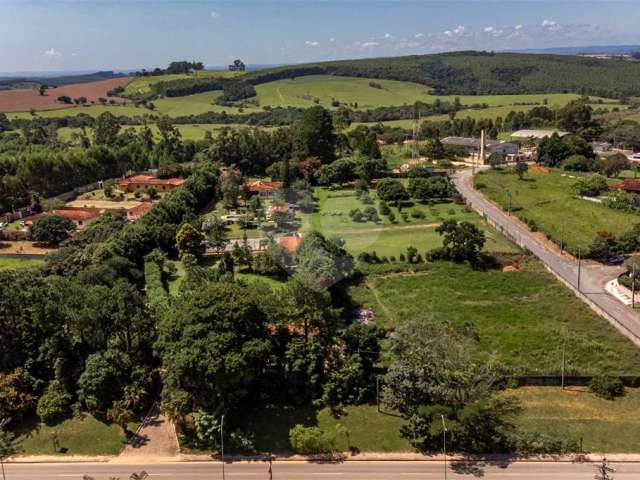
[79, 216]
[629, 185]
[290, 243]
[139, 211]
[136, 182]
[264, 189]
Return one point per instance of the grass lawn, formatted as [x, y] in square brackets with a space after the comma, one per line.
[605, 426]
[368, 430]
[9, 263]
[332, 219]
[76, 436]
[254, 278]
[522, 318]
[547, 199]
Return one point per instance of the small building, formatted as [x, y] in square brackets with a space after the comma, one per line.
[139, 211]
[284, 208]
[601, 147]
[138, 182]
[630, 185]
[80, 217]
[290, 243]
[537, 134]
[262, 188]
[472, 146]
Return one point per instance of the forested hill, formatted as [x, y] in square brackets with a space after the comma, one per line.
[468, 73]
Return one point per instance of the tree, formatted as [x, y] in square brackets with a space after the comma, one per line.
[384, 208]
[590, 186]
[432, 188]
[462, 240]
[314, 135]
[42, 89]
[612, 165]
[312, 440]
[189, 240]
[496, 160]
[216, 233]
[121, 415]
[391, 190]
[434, 149]
[213, 344]
[603, 247]
[105, 130]
[53, 405]
[51, 229]
[322, 262]
[103, 379]
[521, 168]
[7, 447]
[552, 150]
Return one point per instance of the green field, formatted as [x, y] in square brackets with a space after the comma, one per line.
[141, 85]
[332, 219]
[605, 426]
[9, 263]
[522, 318]
[547, 199]
[77, 436]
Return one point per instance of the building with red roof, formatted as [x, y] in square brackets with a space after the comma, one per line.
[264, 189]
[138, 211]
[137, 182]
[290, 243]
[80, 217]
[630, 185]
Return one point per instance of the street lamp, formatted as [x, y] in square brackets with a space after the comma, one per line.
[444, 445]
[222, 443]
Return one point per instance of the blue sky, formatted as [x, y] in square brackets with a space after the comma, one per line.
[42, 35]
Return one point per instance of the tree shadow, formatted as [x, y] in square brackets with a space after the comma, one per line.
[476, 467]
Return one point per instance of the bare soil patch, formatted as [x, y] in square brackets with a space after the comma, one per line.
[26, 99]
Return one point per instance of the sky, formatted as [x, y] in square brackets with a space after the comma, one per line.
[51, 35]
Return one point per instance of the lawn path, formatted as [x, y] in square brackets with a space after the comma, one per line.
[156, 438]
[387, 312]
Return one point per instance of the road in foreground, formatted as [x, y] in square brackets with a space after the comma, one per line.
[307, 471]
[593, 277]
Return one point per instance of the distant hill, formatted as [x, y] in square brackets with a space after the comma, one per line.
[589, 50]
[482, 73]
[9, 83]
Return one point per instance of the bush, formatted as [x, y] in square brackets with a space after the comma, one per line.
[312, 440]
[607, 387]
[54, 403]
[415, 213]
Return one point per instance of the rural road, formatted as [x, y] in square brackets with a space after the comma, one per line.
[593, 276]
[308, 471]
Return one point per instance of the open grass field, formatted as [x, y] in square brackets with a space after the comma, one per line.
[77, 436]
[10, 263]
[605, 426]
[24, 100]
[547, 199]
[141, 85]
[522, 318]
[332, 219]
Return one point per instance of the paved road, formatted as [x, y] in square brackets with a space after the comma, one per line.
[593, 276]
[308, 471]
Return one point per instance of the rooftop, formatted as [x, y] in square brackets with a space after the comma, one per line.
[470, 142]
[150, 180]
[537, 133]
[261, 186]
[629, 185]
[290, 243]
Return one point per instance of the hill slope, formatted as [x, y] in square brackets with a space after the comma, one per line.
[482, 73]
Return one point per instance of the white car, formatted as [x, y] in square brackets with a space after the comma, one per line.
[635, 156]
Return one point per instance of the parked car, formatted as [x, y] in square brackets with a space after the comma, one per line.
[617, 260]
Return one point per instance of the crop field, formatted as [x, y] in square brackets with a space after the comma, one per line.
[24, 100]
[547, 199]
[332, 219]
[522, 318]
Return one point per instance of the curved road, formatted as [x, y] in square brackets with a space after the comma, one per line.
[593, 276]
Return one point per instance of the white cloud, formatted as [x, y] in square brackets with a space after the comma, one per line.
[418, 35]
[311, 43]
[388, 35]
[216, 15]
[518, 27]
[550, 24]
[456, 32]
[369, 44]
[52, 52]
[332, 39]
[489, 29]
[74, 54]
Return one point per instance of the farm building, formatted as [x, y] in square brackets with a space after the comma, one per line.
[139, 211]
[601, 147]
[630, 185]
[290, 243]
[264, 189]
[138, 182]
[284, 208]
[472, 146]
[537, 134]
[80, 217]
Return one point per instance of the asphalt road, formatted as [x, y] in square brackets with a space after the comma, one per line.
[314, 471]
[593, 276]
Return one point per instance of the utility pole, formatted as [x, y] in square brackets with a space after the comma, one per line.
[270, 467]
[633, 286]
[562, 236]
[563, 362]
[509, 207]
[222, 443]
[444, 445]
[378, 393]
[579, 269]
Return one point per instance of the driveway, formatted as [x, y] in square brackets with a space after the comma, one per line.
[593, 276]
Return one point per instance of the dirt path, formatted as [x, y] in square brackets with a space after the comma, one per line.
[155, 439]
[383, 229]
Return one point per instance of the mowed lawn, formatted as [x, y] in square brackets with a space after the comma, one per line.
[547, 199]
[604, 426]
[84, 435]
[523, 318]
[332, 219]
[10, 263]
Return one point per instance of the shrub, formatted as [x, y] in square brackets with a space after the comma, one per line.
[416, 213]
[311, 440]
[607, 387]
[384, 208]
[54, 403]
[402, 258]
[392, 217]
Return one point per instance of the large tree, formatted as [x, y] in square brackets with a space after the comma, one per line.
[314, 135]
[51, 229]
